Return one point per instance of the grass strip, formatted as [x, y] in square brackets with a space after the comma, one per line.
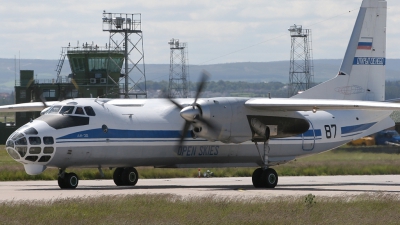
[171, 209]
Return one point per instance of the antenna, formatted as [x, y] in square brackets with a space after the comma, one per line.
[15, 69]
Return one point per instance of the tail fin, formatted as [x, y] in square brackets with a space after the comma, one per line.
[362, 74]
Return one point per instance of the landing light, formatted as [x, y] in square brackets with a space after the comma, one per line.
[314, 110]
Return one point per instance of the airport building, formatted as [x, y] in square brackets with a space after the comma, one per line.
[96, 72]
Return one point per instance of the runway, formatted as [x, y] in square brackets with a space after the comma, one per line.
[239, 187]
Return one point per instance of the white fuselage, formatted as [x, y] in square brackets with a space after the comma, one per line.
[146, 132]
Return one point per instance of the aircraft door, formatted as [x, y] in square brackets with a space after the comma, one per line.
[308, 138]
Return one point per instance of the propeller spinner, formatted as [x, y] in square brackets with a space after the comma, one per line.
[192, 114]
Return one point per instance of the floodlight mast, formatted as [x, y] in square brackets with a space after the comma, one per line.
[128, 25]
[178, 86]
[301, 73]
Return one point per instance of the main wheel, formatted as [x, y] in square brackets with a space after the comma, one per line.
[256, 178]
[269, 178]
[130, 176]
[117, 176]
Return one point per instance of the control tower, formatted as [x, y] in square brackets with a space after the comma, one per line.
[95, 66]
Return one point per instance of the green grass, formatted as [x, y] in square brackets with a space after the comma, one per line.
[171, 209]
[10, 117]
[337, 162]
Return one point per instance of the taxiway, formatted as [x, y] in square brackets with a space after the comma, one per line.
[237, 187]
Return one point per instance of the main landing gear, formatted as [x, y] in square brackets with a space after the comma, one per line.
[67, 180]
[125, 176]
[264, 177]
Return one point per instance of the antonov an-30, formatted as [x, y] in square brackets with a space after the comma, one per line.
[214, 132]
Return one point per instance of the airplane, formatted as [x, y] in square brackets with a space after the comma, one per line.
[213, 132]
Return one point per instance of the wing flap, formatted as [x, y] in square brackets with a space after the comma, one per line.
[291, 104]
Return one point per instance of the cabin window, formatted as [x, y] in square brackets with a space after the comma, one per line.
[89, 111]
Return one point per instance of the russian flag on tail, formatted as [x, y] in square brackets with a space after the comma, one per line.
[365, 44]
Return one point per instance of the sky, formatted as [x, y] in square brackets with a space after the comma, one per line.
[216, 31]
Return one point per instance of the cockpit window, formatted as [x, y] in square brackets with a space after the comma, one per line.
[31, 131]
[17, 136]
[35, 141]
[79, 111]
[67, 110]
[89, 111]
[21, 141]
[54, 109]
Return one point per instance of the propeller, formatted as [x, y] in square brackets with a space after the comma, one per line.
[192, 113]
[45, 106]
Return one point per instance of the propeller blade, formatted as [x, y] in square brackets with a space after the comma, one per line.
[184, 132]
[203, 80]
[43, 99]
[175, 103]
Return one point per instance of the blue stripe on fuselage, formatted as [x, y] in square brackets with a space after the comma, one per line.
[356, 128]
[115, 133]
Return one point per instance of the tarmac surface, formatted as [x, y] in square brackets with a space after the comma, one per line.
[237, 187]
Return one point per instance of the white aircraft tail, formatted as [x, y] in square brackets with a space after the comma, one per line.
[362, 74]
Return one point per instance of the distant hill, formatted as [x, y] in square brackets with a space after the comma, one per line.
[324, 69]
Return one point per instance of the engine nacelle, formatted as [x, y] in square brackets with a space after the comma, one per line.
[233, 122]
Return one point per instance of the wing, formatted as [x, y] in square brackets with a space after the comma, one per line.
[25, 107]
[291, 104]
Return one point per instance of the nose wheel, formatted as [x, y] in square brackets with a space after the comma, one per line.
[67, 180]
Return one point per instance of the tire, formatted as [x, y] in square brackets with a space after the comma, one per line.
[71, 180]
[61, 182]
[130, 176]
[269, 178]
[117, 176]
[256, 178]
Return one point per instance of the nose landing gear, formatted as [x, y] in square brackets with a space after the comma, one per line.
[67, 180]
